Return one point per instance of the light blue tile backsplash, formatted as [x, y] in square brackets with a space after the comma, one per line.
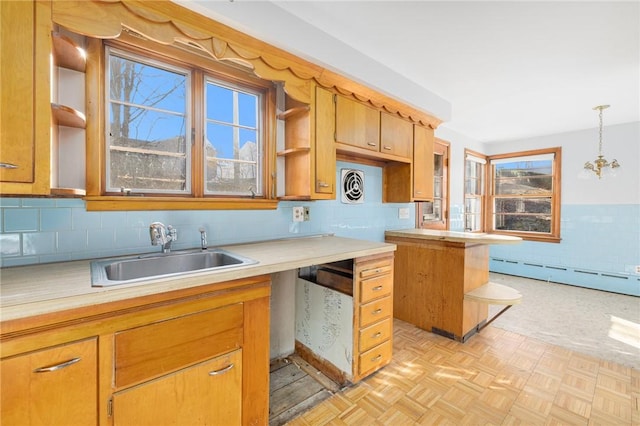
[41, 230]
[600, 249]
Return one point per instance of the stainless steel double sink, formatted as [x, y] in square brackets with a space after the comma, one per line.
[125, 270]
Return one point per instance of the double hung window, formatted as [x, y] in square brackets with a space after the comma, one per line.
[525, 194]
[474, 191]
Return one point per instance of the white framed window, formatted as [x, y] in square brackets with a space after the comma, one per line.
[474, 191]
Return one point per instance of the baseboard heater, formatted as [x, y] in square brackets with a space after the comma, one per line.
[562, 268]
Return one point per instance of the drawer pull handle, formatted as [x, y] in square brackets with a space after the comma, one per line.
[221, 371]
[8, 166]
[57, 366]
[377, 311]
[377, 288]
[375, 336]
[323, 184]
[387, 147]
[376, 358]
[371, 144]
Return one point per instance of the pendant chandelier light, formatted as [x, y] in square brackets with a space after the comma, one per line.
[600, 164]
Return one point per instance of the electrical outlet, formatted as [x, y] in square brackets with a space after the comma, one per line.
[638, 269]
[298, 214]
[403, 213]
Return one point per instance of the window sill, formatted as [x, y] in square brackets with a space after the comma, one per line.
[526, 236]
[120, 203]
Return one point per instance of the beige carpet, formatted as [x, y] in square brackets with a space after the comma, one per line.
[601, 324]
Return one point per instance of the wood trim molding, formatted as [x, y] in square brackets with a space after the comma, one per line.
[157, 21]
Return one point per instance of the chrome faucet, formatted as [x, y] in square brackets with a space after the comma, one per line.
[163, 236]
[203, 238]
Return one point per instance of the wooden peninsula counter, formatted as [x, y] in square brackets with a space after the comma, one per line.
[433, 272]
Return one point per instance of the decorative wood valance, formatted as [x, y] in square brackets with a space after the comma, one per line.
[169, 24]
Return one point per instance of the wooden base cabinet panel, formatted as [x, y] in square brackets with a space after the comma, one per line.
[347, 333]
[431, 279]
[53, 386]
[191, 356]
[177, 399]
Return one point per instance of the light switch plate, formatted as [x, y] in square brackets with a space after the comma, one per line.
[403, 213]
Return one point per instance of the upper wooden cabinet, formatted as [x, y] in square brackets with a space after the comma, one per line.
[25, 40]
[413, 181]
[396, 135]
[309, 155]
[423, 142]
[357, 124]
[367, 132]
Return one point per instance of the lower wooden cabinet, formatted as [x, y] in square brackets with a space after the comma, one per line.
[344, 317]
[52, 386]
[188, 357]
[209, 393]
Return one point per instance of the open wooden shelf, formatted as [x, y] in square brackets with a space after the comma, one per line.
[67, 116]
[293, 111]
[68, 192]
[67, 53]
[292, 151]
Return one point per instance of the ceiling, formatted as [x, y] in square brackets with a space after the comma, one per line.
[494, 71]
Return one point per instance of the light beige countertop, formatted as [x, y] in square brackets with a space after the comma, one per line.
[45, 288]
[458, 237]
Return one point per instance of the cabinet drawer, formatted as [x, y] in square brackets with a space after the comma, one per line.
[375, 268]
[375, 358]
[376, 287]
[375, 334]
[375, 311]
[152, 350]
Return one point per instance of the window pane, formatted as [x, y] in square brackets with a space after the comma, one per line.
[523, 214]
[233, 150]
[473, 214]
[523, 223]
[524, 185]
[523, 205]
[147, 136]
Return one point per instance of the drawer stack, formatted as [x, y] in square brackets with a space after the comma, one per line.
[374, 289]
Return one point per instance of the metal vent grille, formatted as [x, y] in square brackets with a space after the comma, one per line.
[352, 186]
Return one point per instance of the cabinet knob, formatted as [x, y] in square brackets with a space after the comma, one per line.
[8, 166]
[56, 366]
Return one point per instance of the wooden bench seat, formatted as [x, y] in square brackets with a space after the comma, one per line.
[494, 294]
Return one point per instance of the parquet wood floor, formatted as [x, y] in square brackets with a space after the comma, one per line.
[496, 378]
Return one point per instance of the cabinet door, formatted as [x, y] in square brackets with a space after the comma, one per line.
[357, 124]
[17, 89]
[325, 159]
[423, 163]
[24, 97]
[396, 136]
[55, 386]
[209, 393]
